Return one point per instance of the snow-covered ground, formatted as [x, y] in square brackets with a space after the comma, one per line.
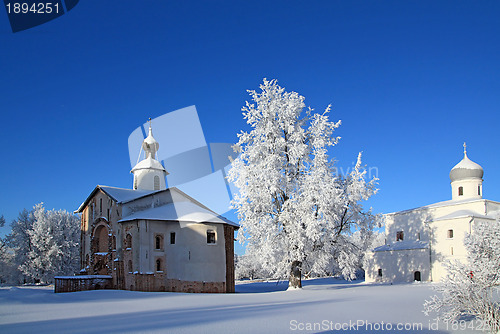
[323, 305]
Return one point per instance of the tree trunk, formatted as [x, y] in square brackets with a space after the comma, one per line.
[295, 280]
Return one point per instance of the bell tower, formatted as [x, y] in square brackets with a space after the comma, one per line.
[466, 179]
[149, 173]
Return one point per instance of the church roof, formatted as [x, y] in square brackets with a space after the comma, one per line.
[119, 195]
[184, 211]
[462, 214]
[149, 163]
[442, 204]
[189, 210]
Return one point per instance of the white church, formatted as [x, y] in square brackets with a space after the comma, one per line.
[419, 240]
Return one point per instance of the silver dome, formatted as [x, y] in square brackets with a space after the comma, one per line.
[466, 169]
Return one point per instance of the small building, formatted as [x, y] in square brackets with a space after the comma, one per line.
[419, 240]
[153, 238]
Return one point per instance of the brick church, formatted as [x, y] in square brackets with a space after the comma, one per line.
[152, 238]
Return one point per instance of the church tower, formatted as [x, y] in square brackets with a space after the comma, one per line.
[149, 173]
[466, 179]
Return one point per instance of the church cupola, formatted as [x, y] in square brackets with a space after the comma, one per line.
[466, 179]
[149, 173]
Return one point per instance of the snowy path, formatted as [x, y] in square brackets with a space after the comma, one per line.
[256, 308]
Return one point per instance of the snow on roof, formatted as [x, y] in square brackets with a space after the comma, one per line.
[149, 163]
[466, 169]
[180, 211]
[120, 195]
[403, 245]
[442, 204]
[190, 210]
[461, 214]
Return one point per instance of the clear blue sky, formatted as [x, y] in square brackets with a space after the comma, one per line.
[410, 80]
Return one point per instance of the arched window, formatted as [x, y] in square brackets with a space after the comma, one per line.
[159, 266]
[479, 190]
[101, 239]
[400, 236]
[159, 242]
[100, 206]
[157, 182]
[416, 276]
[128, 241]
[460, 191]
[380, 272]
[130, 269]
[450, 234]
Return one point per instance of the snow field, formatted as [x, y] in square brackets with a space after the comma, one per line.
[323, 305]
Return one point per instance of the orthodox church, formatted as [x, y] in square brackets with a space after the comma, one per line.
[419, 240]
[152, 238]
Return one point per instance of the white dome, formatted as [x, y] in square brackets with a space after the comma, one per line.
[466, 169]
[149, 163]
[150, 145]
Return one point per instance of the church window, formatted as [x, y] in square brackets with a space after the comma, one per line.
[380, 272]
[460, 191]
[418, 236]
[101, 239]
[450, 234]
[157, 182]
[479, 190]
[172, 238]
[211, 237]
[451, 250]
[128, 241]
[100, 206]
[159, 265]
[135, 182]
[159, 242]
[130, 268]
[399, 236]
[416, 276]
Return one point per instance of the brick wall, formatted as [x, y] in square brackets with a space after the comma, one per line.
[82, 283]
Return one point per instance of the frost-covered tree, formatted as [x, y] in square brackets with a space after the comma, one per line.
[6, 257]
[54, 239]
[363, 242]
[295, 212]
[250, 266]
[19, 244]
[471, 288]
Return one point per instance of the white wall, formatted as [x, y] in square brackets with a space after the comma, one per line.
[191, 258]
[397, 266]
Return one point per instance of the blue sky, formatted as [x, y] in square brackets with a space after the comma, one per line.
[410, 80]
